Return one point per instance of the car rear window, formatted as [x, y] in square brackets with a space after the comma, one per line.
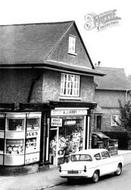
[81, 157]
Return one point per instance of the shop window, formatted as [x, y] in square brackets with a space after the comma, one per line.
[114, 120]
[72, 45]
[31, 145]
[71, 135]
[1, 145]
[33, 135]
[33, 123]
[14, 146]
[15, 124]
[2, 124]
[70, 85]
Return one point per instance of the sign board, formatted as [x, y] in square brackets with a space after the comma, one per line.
[70, 112]
[56, 122]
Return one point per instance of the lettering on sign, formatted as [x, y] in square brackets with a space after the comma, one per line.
[56, 122]
[68, 112]
[102, 20]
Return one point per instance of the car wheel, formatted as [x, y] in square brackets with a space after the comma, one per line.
[95, 177]
[119, 170]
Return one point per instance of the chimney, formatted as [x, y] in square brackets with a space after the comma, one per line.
[98, 64]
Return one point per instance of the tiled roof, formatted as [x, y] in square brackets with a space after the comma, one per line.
[24, 45]
[29, 43]
[114, 79]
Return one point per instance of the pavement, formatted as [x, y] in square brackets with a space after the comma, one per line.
[43, 179]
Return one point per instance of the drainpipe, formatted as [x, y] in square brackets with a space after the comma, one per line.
[32, 87]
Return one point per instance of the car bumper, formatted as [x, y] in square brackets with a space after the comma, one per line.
[81, 174]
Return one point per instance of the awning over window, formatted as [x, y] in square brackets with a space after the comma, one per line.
[101, 135]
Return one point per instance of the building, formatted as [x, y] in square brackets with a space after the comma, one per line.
[46, 93]
[112, 87]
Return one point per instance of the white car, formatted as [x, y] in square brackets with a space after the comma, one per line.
[91, 163]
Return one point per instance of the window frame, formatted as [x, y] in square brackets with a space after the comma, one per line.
[72, 44]
[70, 85]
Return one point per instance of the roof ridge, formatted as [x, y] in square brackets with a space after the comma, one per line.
[113, 68]
[39, 23]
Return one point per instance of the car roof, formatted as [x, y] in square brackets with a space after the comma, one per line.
[90, 151]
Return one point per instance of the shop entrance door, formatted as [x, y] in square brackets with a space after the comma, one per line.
[54, 138]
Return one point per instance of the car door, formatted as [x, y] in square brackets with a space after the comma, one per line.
[106, 163]
[99, 163]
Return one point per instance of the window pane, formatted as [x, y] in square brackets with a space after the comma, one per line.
[81, 157]
[69, 85]
[2, 145]
[71, 133]
[33, 123]
[72, 44]
[2, 123]
[14, 146]
[97, 156]
[16, 124]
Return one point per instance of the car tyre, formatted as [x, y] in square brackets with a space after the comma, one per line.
[95, 177]
[119, 170]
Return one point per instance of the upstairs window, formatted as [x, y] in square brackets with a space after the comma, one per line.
[70, 85]
[72, 45]
[98, 121]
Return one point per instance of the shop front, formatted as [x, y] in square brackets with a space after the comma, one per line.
[19, 138]
[24, 137]
[69, 132]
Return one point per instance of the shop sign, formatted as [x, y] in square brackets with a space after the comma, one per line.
[71, 112]
[70, 122]
[56, 122]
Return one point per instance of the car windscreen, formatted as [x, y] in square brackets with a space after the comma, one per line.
[81, 157]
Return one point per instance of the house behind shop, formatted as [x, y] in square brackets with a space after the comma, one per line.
[46, 94]
[111, 88]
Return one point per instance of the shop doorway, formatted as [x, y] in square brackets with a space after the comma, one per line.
[53, 145]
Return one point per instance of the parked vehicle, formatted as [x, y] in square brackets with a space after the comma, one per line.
[91, 163]
[100, 140]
